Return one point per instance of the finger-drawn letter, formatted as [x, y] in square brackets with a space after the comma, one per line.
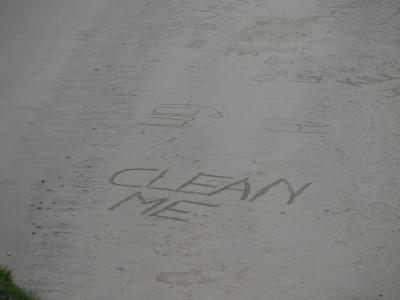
[351, 82]
[293, 193]
[174, 204]
[150, 185]
[194, 183]
[245, 189]
[142, 201]
[113, 181]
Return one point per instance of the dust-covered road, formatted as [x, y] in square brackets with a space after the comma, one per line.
[201, 150]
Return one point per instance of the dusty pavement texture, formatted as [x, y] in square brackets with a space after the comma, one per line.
[213, 149]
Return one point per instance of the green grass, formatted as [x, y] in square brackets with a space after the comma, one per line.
[10, 291]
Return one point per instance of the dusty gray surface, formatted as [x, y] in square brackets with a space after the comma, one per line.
[213, 149]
